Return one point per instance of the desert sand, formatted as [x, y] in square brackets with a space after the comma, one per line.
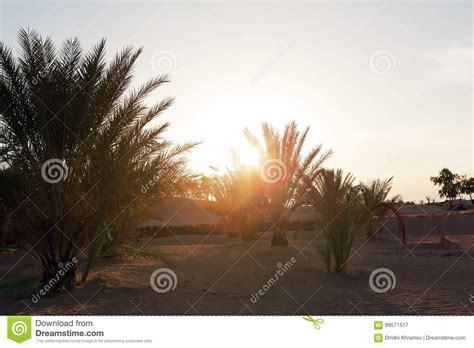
[218, 274]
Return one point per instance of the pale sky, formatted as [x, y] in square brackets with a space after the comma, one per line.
[386, 85]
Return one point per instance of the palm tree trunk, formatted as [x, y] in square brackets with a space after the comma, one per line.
[279, 238]
[59, 275]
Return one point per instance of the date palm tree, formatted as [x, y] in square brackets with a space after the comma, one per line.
[339, 216]
[83, 147]
[239, 193]
[288, 174]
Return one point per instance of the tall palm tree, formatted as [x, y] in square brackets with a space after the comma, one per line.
[288, 174]
[83, 147]
[374, 196]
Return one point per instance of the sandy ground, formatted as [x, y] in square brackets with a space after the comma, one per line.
[218, 275]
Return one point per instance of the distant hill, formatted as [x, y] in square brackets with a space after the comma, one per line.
[174, 211]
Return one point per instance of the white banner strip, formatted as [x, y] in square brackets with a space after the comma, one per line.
[238, 332]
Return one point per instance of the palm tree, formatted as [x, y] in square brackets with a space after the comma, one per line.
[240, 196]
[339, 216]
[374, 196]
[286, 172]
[82, 147]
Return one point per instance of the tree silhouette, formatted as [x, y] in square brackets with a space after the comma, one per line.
[68, 113]
[287, 174]
[448, 183]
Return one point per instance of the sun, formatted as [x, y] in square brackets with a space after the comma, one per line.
[249, 156]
